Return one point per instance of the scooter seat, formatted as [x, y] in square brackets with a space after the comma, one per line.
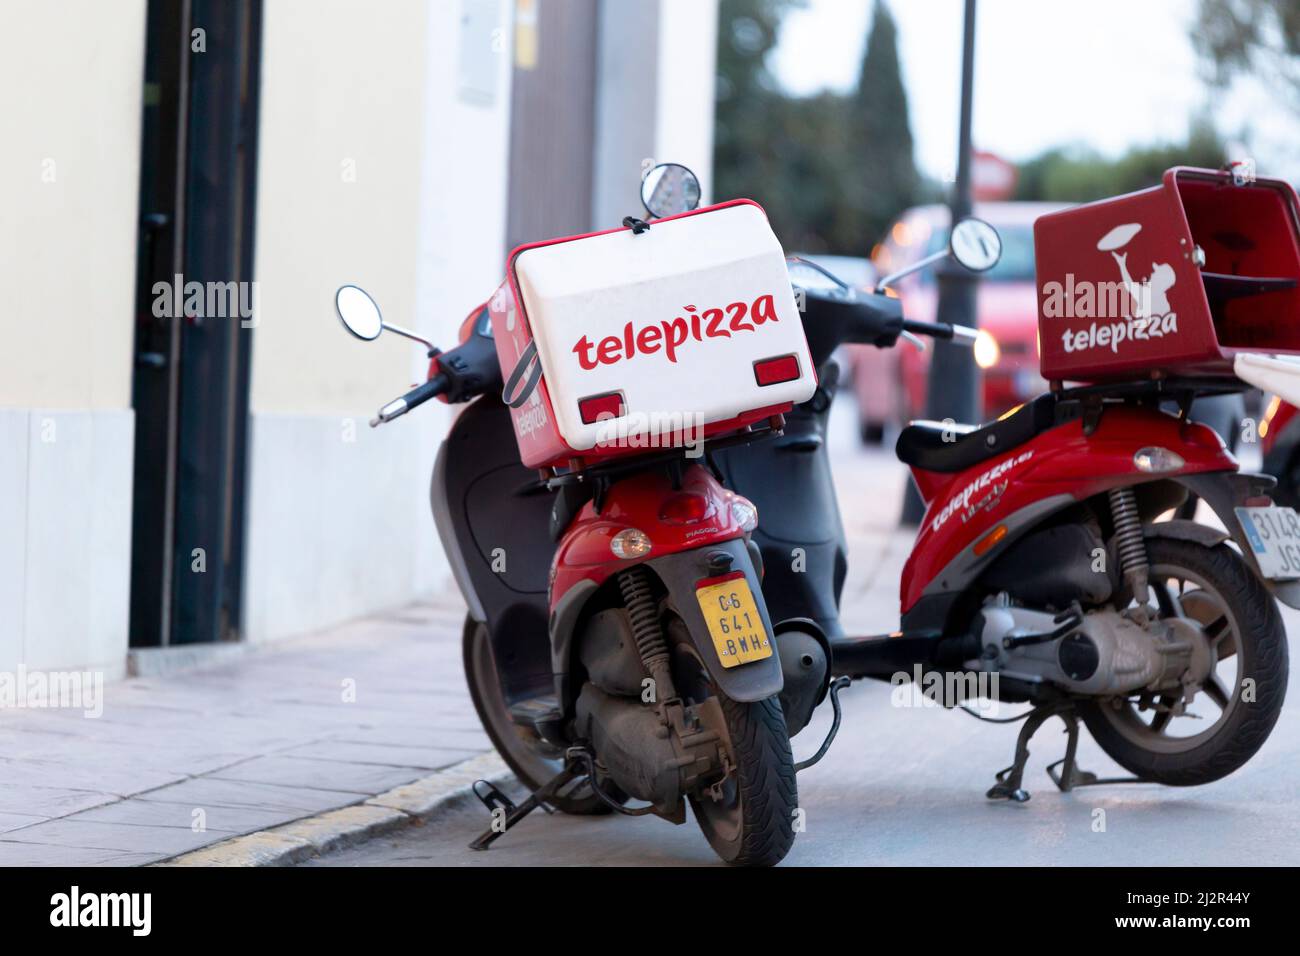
[948, 448]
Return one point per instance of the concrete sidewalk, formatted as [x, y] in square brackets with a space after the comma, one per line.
[272, 736]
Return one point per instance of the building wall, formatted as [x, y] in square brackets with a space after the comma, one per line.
[384, 168]
[383, 160]
[69, 174]
[687, 77]
[646, 116]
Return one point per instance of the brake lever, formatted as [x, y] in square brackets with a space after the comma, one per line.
[915, 340]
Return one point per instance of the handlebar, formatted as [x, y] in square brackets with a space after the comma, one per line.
[412, 399]
[962, 334]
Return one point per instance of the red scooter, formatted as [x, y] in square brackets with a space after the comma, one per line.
[617, 647]
[1045, 565]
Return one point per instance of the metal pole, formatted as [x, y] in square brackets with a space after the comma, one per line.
[953, 383]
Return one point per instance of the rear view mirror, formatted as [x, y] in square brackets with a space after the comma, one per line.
[670, 189]
[358, 312]
[975, 244]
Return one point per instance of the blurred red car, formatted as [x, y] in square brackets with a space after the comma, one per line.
[891, 383]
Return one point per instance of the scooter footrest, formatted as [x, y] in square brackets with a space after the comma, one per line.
[528, 712]
[541, 714]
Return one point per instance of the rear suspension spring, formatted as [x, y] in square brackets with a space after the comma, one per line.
[647, 629]
[1129, 542]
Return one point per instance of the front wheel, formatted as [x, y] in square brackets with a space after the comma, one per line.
[1237, 703]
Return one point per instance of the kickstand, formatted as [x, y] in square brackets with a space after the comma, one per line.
[495, 800]
[1065, 773]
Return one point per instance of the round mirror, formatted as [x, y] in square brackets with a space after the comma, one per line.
[976, 245]
[359, 313]
[670, 189]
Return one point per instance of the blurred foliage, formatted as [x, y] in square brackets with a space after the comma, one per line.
[1078, 174]
[1257, 37]
[831, 170]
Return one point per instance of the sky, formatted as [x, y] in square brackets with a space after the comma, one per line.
[1105, 73]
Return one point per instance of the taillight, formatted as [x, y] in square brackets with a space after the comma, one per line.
[594, 408]
[774, 371]
[685, 508]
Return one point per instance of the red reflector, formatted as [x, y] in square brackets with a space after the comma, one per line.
[594, 408]
[685, 508]
[773, 371]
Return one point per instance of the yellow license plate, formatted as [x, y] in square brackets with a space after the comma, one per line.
[733, 619]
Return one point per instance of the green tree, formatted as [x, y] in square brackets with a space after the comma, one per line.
[881, 136]
[831, 170]
[1256, 37]
[746, 94]
[1077, 174]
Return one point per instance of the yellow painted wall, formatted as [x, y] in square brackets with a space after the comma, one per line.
[71, 80]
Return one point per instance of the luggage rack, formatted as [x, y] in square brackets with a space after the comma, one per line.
[1089, 402]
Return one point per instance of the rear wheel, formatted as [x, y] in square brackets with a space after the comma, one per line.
[1158, 738]
[530, 757]
[748, 817]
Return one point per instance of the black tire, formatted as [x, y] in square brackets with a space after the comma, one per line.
[522, 750]
[756, 828]
[1242, 726]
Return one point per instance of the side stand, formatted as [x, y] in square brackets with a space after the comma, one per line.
[1065, 773]
[495, 800]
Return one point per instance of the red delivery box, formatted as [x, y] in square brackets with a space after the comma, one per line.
[1170, 281]
[626, 341]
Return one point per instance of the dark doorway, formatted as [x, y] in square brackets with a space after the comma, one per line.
[552, 122]
[190, 391]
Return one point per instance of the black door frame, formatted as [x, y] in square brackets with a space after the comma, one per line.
[191, 382]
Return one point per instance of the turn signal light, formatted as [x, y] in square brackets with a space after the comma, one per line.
[990, 540]
[774, 371]
[685, 508]
[594, 408]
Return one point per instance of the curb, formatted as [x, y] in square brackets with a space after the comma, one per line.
[335, 829]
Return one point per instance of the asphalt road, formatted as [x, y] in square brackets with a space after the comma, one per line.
[904, 785]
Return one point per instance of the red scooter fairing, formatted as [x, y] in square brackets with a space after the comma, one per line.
[694, 537]
[696, 514]
[972, 515]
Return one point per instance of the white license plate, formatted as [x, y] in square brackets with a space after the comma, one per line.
[1274, 535]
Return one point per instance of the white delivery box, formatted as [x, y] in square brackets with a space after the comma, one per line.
[649, 337]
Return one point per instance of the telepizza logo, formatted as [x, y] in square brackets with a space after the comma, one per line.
[670, 336]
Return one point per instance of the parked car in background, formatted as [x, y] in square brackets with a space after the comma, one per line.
[891, 384]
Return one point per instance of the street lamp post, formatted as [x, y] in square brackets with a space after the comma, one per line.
[951, 392]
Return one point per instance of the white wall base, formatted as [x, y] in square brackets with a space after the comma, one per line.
[338, 523]
[65, 538]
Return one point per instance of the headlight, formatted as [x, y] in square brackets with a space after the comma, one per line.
[986, 350]
[630, 543]
[744, 514]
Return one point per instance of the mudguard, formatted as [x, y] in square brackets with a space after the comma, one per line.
[1225, 491]
[680, 573]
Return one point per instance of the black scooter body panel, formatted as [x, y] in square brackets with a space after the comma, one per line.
[483, 500]
[789, 479]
